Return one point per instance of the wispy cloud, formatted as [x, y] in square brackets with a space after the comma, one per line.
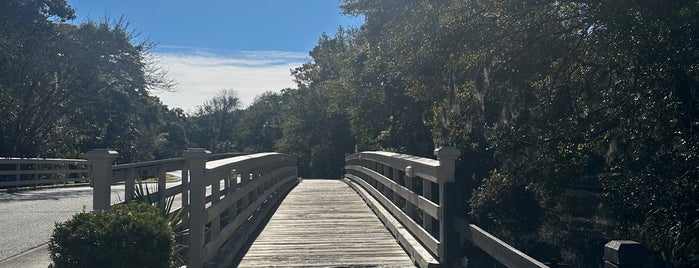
[201, 73]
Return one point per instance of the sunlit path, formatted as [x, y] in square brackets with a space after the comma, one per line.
[324, 223]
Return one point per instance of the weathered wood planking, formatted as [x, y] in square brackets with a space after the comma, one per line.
[324, 223]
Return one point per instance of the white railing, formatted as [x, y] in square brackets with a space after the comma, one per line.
[223, 200]
[24, 172]
[241, 193]
[417, 192]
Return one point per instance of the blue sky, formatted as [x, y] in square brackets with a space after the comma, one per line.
[207, 46]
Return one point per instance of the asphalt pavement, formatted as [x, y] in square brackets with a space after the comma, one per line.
[28, 217]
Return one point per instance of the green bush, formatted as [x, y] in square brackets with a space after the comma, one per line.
[132, 235]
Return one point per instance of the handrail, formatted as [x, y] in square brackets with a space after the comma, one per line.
[221, 199]
[416, 191]
[421, 167]
[21, 172]
[496, 248]
[412, 189]
[129, 173]
[229, 198]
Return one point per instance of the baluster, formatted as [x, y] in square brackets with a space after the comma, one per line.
[185, 194]
[409, 207]
[215, 198]
[130, 184]
[232, 186]
[244, 179]
[426, 218]
[18, 167]
[161, 187]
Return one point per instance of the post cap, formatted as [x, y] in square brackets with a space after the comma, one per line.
[448, 152]
[101, 154]
[625, 252]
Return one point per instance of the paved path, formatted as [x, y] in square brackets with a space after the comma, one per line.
[27, 217]
[324, 223]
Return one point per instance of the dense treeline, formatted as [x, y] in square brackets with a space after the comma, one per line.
[535, 93]
[67, 89]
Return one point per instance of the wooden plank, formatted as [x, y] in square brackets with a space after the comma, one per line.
[219, 238]
[14, 160]
[230, 199]
[36, 182]
[324, 223]
[43, 171]
[422, 167]
[229, 250]
[422, 203]
[430, 242]
[496, 248]
[418, 253]
[170, 164]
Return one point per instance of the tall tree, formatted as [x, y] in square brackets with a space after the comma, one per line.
[536, 93]
[65, 87]
[213, 125]
[261, 123]
[31, 81]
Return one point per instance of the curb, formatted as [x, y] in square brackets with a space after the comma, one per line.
[35, 257]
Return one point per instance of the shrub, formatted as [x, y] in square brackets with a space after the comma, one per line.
[131, 235]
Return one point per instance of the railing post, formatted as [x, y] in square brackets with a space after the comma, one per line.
[100, 175]
[448, 238]
[130, 184]
[196, 161]
[625, 253]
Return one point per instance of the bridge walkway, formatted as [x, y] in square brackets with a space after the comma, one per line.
[324, 223]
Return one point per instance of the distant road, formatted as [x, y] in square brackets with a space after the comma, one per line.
[27, 217]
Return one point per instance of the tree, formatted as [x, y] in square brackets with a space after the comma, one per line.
[57, 79]
[261, 123]
[536, 93]
[30, 77]
[213, 125]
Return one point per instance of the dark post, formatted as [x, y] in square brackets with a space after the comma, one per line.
[447, 236]
[625, 253]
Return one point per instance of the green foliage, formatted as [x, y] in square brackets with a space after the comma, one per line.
[537, 93]
[213, 126]
[56, 79]
[132, 235]
[260, 126]
[174, 218]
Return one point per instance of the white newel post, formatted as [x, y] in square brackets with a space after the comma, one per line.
[196, 161]
[100, 174]
[447, 164]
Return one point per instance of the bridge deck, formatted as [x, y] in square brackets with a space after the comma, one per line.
[324, 223]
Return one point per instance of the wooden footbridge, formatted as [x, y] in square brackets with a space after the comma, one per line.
[388, 210]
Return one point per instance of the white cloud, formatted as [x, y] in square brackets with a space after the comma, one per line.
[200, 74]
